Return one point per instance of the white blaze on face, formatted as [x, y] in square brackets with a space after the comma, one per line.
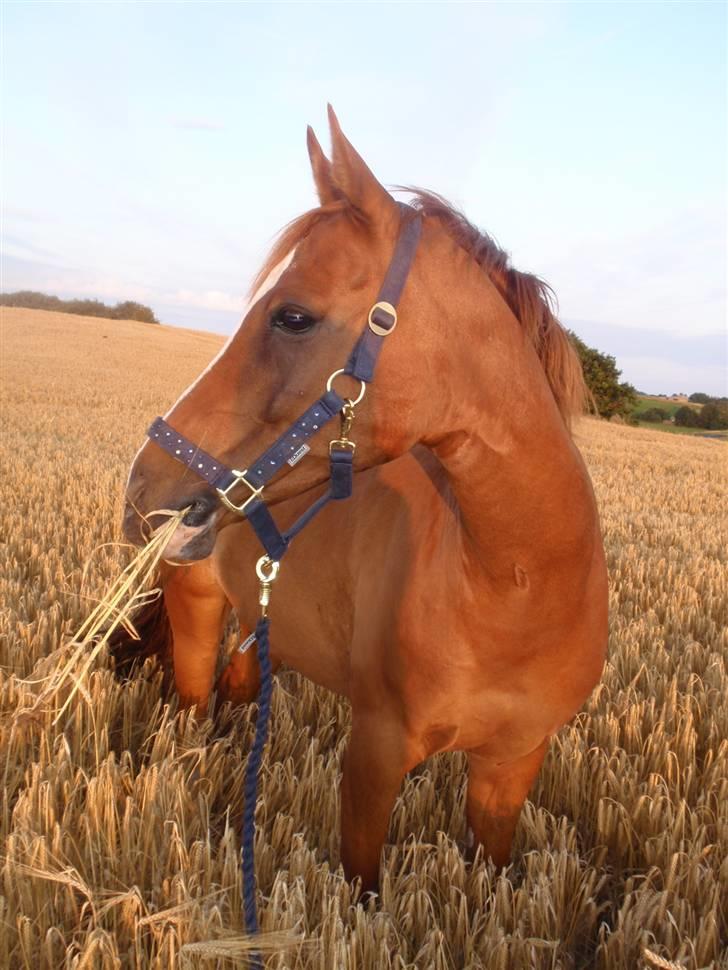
[185, 534]
[272, 278]
[268, 283]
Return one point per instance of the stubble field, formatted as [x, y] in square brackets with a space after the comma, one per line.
[120, 819]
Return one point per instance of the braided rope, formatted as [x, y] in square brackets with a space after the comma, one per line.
[252, 770]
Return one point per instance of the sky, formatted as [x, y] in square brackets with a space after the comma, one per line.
[151, 151]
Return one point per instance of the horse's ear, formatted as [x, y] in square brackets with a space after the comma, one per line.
[321, 168]
[353, 177]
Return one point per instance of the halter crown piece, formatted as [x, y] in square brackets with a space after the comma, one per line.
[288, 449]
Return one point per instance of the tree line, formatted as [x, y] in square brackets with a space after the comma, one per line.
[125, 310]
[700, 398]
[611, 397]
[614, 397]
[713, 416]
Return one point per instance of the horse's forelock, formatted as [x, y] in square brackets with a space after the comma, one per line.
[289, 237]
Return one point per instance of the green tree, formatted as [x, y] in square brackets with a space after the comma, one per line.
[129, 310]
[714, 416]
[699, 398]
[86, 308]
[611, 396]
[654, 414]
[31, 300]
[686, 417]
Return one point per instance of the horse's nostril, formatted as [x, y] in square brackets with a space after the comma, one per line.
[200, 510]
[131, 524]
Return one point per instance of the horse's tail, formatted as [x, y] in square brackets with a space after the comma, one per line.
[153, 628]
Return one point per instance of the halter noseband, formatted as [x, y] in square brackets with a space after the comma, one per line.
[292, 445]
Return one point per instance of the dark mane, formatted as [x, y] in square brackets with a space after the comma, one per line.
[530, 299]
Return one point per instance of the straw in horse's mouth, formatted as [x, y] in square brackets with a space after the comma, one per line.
[130, 590]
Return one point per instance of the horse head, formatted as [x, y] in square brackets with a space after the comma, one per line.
[477, 338]
[312, 297]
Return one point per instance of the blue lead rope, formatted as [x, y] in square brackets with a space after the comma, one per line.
[252, 767]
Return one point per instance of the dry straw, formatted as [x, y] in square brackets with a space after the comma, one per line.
[130, 590]
[660, 962]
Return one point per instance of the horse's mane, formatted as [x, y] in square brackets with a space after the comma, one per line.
[530, 299]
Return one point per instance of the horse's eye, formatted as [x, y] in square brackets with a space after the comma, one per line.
[293, 319]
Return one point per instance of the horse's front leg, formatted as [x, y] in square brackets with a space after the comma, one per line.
[496, 793]
[239, 682]
[377, 758]
[197, 609]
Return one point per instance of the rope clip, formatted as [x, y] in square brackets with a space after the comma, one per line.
[343, 442]
[266, 569]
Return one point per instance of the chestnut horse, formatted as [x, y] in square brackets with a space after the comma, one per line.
[459, 598]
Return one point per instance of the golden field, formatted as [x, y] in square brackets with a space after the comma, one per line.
[120, 821]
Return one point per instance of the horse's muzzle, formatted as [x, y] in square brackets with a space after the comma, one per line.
[194, 537]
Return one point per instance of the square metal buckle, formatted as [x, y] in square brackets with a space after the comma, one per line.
[239, 477]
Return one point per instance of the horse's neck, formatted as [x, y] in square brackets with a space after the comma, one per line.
[521, 486]
[523, 506]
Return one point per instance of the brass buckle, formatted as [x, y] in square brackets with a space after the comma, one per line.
[342, 444]
[239, 477]
[377, 328]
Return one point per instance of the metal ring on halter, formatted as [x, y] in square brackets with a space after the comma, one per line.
[272, 567]
[362, 392]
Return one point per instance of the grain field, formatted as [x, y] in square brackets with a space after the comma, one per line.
[120, 819]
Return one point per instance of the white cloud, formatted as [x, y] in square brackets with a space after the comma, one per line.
[95, 287]
[22, 249]
[72, 282]
[669, 277]
[197, 124]
[205, 300]
[659, 375]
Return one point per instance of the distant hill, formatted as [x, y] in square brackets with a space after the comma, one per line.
[126, 310]
[674, 414]
[669, 404]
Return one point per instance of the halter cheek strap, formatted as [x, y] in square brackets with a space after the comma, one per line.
[292, 445]
[383, 315]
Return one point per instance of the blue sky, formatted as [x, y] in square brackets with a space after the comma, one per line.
[152, 150]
